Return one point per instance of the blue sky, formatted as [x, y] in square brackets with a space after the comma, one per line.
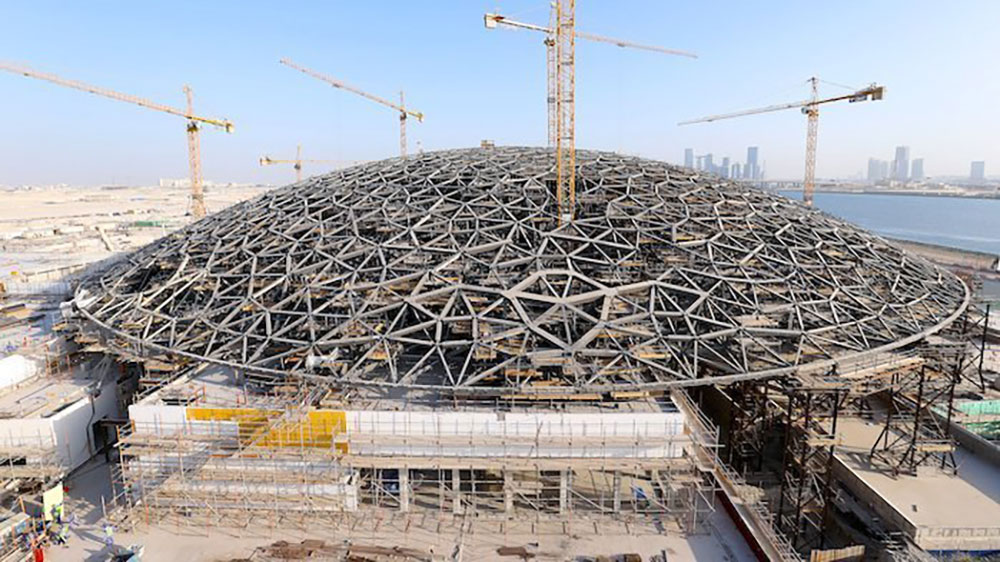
[937, 60]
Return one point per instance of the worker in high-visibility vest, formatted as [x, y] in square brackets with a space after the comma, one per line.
[109, 536]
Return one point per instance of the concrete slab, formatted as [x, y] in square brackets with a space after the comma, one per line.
[938, 510]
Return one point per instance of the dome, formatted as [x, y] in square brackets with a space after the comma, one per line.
[450, 270]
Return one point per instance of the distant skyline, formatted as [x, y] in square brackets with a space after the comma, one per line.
[476, 84]
[750, 169]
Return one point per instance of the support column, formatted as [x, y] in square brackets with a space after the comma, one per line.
[564, 491]
[404, 489]
[508, 492]
[456, 491]
[616, 502]
[441, 494]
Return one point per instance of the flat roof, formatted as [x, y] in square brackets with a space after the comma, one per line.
[933, 500]
[41, 396]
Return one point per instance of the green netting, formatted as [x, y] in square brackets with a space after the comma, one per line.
[981, 407]
[988, 430]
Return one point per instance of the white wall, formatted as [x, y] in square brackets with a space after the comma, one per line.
[27, 433]
[72, 426]
[472, 434]
[545, 435]
[15, 369]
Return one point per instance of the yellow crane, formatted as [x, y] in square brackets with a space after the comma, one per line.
[496, 20]
[193, 122]
[296, 163]
[560, 43]
[400, 107]
[810, 108]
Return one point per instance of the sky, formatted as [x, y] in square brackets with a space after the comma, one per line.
[936, 59]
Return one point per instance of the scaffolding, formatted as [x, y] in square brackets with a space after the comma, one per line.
[897, 389]
[243, 467]
[912, 436]
[805, 493]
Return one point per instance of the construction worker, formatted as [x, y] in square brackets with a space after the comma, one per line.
[63, 536]
[109, 537]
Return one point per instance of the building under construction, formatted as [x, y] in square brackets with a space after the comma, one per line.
[424, 335]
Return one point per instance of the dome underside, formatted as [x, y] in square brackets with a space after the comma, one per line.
[450, 270]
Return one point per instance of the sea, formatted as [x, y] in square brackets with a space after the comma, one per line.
[959, 222]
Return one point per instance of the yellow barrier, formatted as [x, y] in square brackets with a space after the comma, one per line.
[318, 429]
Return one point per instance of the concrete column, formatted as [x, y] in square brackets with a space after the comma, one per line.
[508, 492]
[564, 482]
[617, 493]
[404, 489]
[456, 486]
[441, 495]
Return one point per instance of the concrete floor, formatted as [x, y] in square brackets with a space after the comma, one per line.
[480, 539]
[933, 500]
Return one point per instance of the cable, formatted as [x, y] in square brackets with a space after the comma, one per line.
[851, 88]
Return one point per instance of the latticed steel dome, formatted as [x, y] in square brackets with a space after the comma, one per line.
[450, 270]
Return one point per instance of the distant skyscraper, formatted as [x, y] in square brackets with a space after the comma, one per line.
[917, 169]
[901, 164]
[724, 168]
[709, 165]
[874, 170]
[735, 172]
[751, 170]
[878, 170]
[689, 158]
[978, 170]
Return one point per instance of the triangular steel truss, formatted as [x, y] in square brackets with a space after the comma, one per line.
[450, 270]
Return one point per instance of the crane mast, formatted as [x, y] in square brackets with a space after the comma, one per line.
[495, 20]
[565, 109]
[193, 122]
[812, 128]
[810, 108]
[404, 113]
[194, 159]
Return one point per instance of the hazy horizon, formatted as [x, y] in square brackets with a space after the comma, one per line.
[476, 84]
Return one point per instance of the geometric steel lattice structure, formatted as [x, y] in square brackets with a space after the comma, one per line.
[450, 271]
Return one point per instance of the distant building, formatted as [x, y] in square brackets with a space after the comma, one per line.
[917, 169]
[751, 170]
[878, 170]
[874, 170]
[901, 164]
[978, 172]
[184, 182]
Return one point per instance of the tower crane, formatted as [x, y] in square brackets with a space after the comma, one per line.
[400, 107]
[810, 108]
[495, 20]
[296, 163]
[193, 122]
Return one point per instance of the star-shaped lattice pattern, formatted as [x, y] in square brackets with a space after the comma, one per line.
[450, 270]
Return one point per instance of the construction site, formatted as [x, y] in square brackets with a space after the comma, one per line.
[499, 352]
